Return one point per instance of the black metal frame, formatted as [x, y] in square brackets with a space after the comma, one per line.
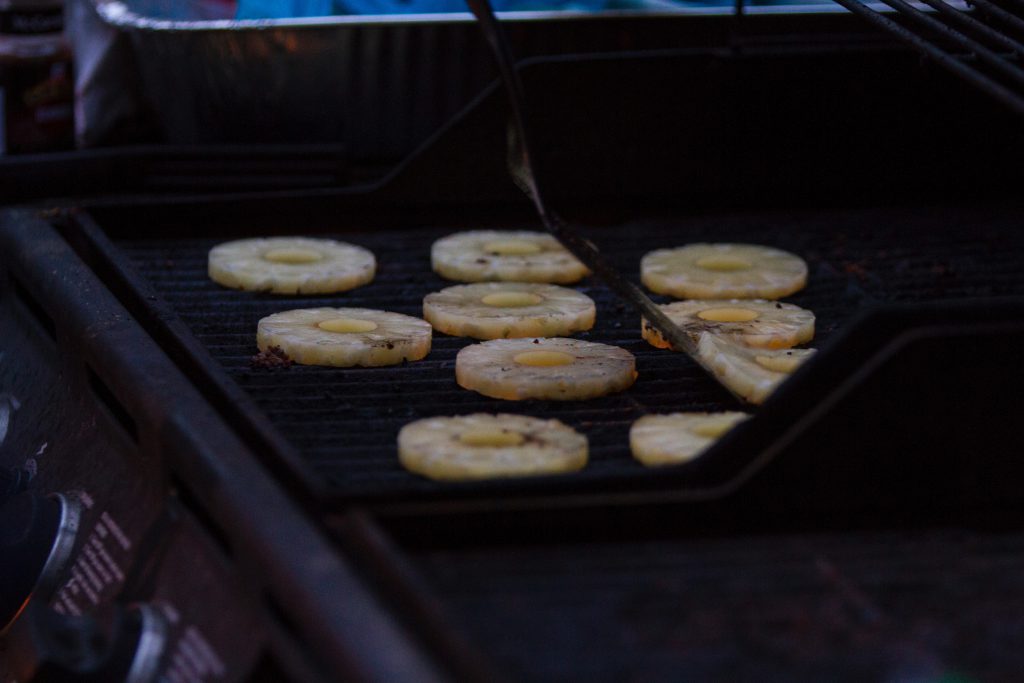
[269, 537]
[871, 364]
[885, 361]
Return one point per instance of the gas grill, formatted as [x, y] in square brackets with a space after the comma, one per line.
[865, 523]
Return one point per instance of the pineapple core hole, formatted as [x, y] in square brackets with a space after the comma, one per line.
[512, 247]
[777, 363]
[293, 256]
[347, 325]
[495, 438]
[511, 299]
[543, 359]
[728, 315]
[712, 429]
[724, 262]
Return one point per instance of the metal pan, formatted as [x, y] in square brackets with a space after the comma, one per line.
[377, 84]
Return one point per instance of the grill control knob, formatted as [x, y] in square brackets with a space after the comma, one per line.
[115, 645]
[37, 534]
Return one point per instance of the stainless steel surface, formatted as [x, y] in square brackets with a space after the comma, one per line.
[375, 86]
[145, 665]
[67, 534]
[378, 84]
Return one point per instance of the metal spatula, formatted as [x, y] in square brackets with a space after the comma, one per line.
[524, 173]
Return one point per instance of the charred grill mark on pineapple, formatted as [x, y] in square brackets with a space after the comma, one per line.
[482, 446]
[505, 255]
[771, 325]
[750, 373]
[492, 369]
[493, 310]
[291, 265]
[723, 271]
[343, 337]
[678, 437]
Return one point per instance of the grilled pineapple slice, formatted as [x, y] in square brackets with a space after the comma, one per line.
[344, 337]
[483, 446]
[752, 374]
[723, 271]
[679, 437]
[496, 310]
[754, 322]
[505, 255]
[555, 369]
[291, 265]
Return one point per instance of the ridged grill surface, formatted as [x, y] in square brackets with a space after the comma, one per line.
[915, 606]
[344, 422]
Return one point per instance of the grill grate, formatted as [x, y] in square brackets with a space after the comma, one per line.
[978, 42]
[343, 422]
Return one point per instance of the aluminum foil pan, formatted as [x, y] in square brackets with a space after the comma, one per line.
[376, 84]
[379, 87]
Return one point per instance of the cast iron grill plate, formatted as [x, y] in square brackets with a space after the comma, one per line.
[343, 422]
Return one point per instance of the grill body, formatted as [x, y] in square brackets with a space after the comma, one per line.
[804, 545]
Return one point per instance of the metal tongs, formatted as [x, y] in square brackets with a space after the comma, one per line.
[524, 174]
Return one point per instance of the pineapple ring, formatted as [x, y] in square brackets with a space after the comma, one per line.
[752, 374]
[505, 255]
[679, 437]
[554, 369]
[291, 265]
[344, 337]
[723, 271]
[494, 310]
[483, 446]
[754, 322]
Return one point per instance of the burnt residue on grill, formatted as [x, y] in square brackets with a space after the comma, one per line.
[344, 421]
[271, 358]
